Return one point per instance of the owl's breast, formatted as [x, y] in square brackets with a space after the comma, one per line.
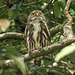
[37, 29]
[33, 38]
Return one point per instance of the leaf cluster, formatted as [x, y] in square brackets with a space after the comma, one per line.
[18, 10]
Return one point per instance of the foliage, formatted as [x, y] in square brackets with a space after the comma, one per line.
[58, 5]
[65, 51]
[40, 69]
[18, 10]
[14, 9]
[9, 72]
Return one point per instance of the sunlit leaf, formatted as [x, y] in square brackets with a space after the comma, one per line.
[20, 64]
[12, 53]
[72, 12]
[65, 51]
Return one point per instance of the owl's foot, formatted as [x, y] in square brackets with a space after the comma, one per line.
[34, 49]
[40, 48]
[31, 51]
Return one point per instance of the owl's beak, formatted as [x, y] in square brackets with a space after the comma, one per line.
[37, 14]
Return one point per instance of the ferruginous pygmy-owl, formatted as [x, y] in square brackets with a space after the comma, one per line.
[37, 32]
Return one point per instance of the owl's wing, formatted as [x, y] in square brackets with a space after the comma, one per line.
[26, 31]
[46, 30]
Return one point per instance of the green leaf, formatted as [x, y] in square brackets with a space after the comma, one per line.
[40, 70]
[9, 72]
[20, 64]
[2, 10]
[1, 1]
[72, 12]
[46, 61]
[14, 11]
[63, 1]
[65, 51]
[12, 53]
[73, 5]
[58, 5]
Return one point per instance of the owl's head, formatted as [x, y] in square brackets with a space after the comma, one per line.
[36, 15]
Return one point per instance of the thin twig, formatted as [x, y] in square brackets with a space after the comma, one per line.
[3, 6]
[15, 35]
[11, 35]
[31, 3]
[4, 13]
[66, 11]
[67, 63]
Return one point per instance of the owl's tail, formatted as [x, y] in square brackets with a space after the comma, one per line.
[37, 62]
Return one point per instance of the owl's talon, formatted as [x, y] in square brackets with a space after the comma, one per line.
[39, 48]
[31, 51]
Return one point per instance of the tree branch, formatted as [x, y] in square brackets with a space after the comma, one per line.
[66, 11]
[49, 49]
[11, 35]
[41, 52]
[3, 6]
[58, 28]
[68, 32]
[31, 3]
[15, 35]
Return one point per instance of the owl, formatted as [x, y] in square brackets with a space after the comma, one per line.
[37, 32]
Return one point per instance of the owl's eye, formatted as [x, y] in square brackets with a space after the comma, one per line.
[40, 12]
[33, 14]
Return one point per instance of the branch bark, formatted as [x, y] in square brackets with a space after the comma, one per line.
[41, 52]
[31, 3]
[58, 28]
[48, 49]
[68, 32]
[11, 35]
[15, 35]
